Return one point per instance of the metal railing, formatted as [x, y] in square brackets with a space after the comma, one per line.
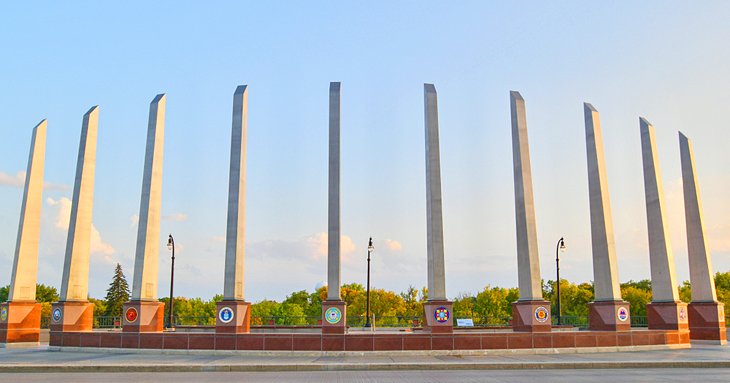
[575, 321]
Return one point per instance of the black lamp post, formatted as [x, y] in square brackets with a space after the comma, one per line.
[367, 304]
[171, 246]
[560, 247]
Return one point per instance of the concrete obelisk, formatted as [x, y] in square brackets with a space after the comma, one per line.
[20, 316]
[608, 311]
[706, 314]
[233, 312]
[74, 312]
[143, 313]
[665, 311]
[334, 312]
[531, 312]
[437, 309]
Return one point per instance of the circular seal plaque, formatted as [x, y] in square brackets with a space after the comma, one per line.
[56, 315]
[4, 314]
[226, 314]
[131, 315]
[441, 314]
[682, 314]
[541, 314]
[333, 315]
[622, 314]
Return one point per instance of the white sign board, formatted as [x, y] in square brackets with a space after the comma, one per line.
[465, 322]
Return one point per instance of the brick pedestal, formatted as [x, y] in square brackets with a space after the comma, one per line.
[334, 317]
[143, 316]
[20, 322]
[532, 316]
[667, 316]
[233, 317]
[609, 316]
[72, 316]
[707, 321]
[439, 316]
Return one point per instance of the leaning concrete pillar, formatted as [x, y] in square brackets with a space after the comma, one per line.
[20, 316]
[665, 311]
[143, 313]
[438, 309]
[233, 312]
[333, 309]
[531, 312]
[706, 314]
[74, 312]
[608, 311]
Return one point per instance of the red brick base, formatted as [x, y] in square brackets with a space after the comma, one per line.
[148, 316]
[533, 316]
[707, 321]
[20, 322]
[240, 320]
[667, 315]
[72, 316]
[434, 314]
[609, 316]
[417, 340]
[330, 322]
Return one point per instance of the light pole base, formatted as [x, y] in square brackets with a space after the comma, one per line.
[439, 316]
[233, 317]
[72, 316]
[334, 317]
[531, 316]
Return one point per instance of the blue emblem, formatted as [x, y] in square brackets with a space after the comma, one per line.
[225, 315]
[56, 315]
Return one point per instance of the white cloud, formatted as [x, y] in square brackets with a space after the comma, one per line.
[18, 180]
[62, 219]
[177, 217]
[313, 247]
[392, 245]
[134, 220]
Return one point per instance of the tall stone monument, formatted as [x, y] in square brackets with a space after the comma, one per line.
[665, 311]
[74, 312]
[706, 314]
[531, 312]
[233, 312]
[437, 309]
[608, 311]
[334, 312]
[20, 316]
[143, 313]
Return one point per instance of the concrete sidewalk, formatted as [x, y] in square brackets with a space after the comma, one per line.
[45, 359]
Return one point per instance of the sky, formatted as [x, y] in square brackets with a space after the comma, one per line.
[666, 61]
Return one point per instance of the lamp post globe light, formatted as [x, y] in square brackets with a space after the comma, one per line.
[171, 247]
[367, 304]
[560, 247]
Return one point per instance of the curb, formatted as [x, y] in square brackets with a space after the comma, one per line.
[363, 367]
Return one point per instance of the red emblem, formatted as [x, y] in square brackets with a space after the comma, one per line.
[131, 315]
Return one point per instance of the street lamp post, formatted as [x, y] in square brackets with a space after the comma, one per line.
[560, 247]
[171, 246]
[367, 304]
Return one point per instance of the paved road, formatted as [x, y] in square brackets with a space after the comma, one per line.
[547, 376]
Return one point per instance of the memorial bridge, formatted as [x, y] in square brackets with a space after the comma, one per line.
[671, 323]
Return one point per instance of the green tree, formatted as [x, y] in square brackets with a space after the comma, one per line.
[45, 293]
[4, 292]
[494, 304]
[262, 312]
[464, 305]
[117, 293]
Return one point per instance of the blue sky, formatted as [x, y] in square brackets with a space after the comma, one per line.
[664, 60]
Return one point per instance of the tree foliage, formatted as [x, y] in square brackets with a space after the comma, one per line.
[117, 293]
